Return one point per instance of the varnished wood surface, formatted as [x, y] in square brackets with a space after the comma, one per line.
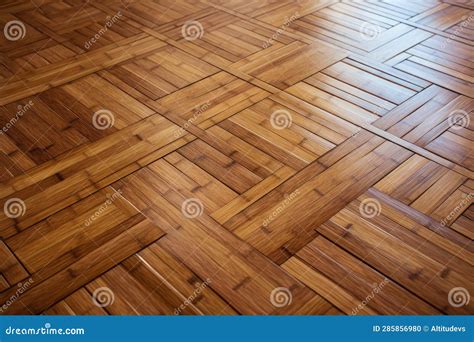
[251, 157]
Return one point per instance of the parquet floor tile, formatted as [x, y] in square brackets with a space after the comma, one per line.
[229, 157]
[211, 100]
[422, 261]
[158, 74]
[152, 13]
[228, 38]
[60, 119]
[450, 68]
[273, 66]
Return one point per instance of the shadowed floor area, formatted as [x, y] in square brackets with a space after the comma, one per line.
[225, 157]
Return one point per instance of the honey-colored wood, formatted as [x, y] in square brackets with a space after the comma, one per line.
[256, 157]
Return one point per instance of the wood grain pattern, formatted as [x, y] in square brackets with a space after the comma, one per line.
[235, 157]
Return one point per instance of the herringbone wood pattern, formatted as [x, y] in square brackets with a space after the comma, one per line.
[237, 157]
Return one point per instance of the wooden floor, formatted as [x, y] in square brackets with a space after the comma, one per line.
[237, 157]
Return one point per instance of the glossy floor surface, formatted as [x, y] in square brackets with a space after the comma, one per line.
[236, 157]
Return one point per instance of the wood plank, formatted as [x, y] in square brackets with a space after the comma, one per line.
[209, 157]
